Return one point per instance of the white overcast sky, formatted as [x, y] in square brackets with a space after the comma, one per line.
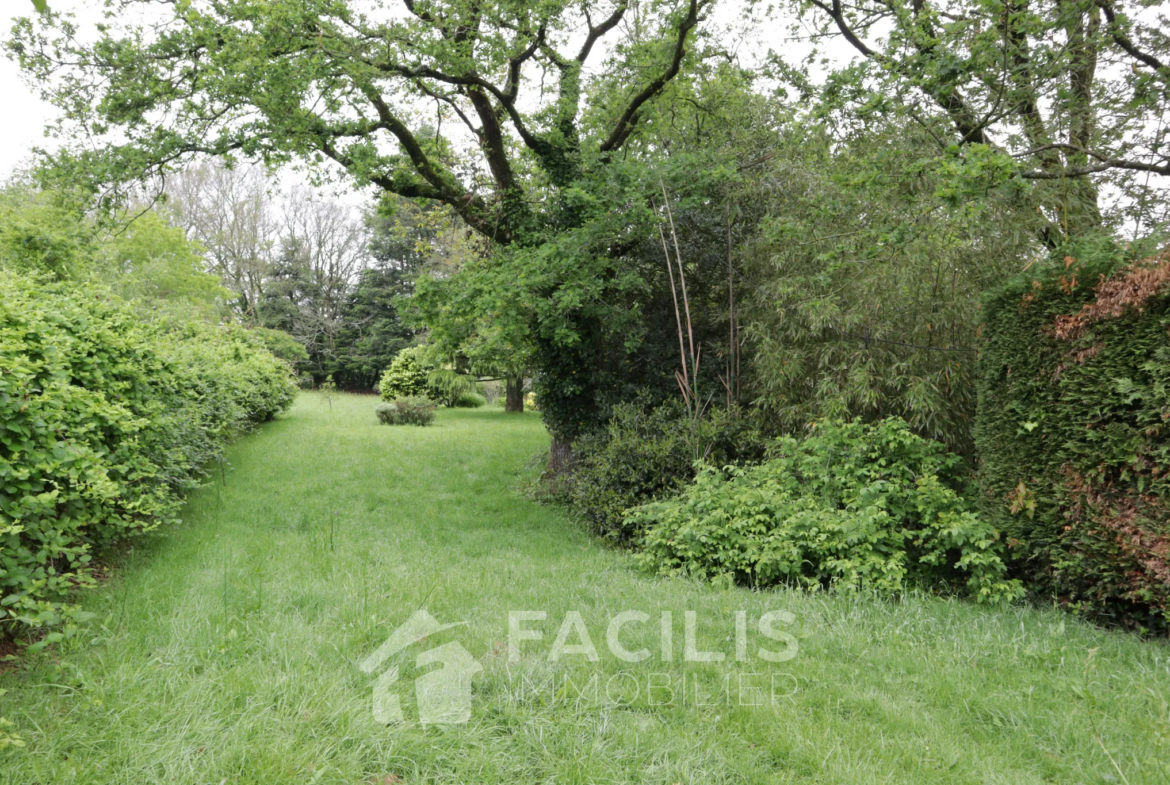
[23, 126]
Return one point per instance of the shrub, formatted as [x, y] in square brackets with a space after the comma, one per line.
[412, 410]
[643, 454]
[1074, 413]
[852, 506]
[531, 403]
[406, 376]
[104, 421]
[448, 387]
[470, 400]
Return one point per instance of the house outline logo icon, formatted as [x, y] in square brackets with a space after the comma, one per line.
[443, 695]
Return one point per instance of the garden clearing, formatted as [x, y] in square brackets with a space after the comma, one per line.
[227, 648]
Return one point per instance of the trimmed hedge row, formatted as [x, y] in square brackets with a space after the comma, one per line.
[1074, 418]
[104, 421]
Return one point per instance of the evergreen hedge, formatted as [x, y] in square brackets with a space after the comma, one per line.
[1074, 411]
[105, 419]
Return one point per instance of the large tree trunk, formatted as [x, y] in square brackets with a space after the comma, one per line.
[560, 458]
[514, 395]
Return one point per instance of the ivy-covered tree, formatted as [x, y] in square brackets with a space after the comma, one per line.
[332, 81]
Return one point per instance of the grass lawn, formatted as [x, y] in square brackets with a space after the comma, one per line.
[227, 649]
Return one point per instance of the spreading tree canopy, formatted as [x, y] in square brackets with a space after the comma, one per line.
[347, 82]
[1068, 95]
[503, 111]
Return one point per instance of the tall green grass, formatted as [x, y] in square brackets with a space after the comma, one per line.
[226, 649]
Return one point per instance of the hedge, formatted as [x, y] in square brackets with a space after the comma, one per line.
[1074, 404]
[105, 420]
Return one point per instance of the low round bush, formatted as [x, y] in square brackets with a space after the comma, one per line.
[853, 506]
[411, 410]
[104, 421]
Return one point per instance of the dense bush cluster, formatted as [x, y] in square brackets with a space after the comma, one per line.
[409, 410]
[104, 421]
[1074, 406]
[853, 506]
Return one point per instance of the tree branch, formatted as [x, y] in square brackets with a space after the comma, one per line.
[445, 98]
[1027, 107]
[512, 83]
[596, 33]
[443, 187]
[468, 80]
[625, 123]
[950, 100]
[1126, 43]
[1105, 165]
[493, 139]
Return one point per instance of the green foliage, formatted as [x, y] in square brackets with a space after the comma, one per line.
[283, 346]
[469, 400]
[862, 284]
[141, 257]
[448, 386]
[374, 331]
[408, 410]
[329, 390]
[104, 421]
[645, 453]
[970, 59]
[554, 160]
[334, 285]
[153, 261]
[1074, 400]
[593, 317]
[406, 376]
[43, 233]
[852, 506]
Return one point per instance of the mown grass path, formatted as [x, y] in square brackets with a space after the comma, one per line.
[226, 649]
